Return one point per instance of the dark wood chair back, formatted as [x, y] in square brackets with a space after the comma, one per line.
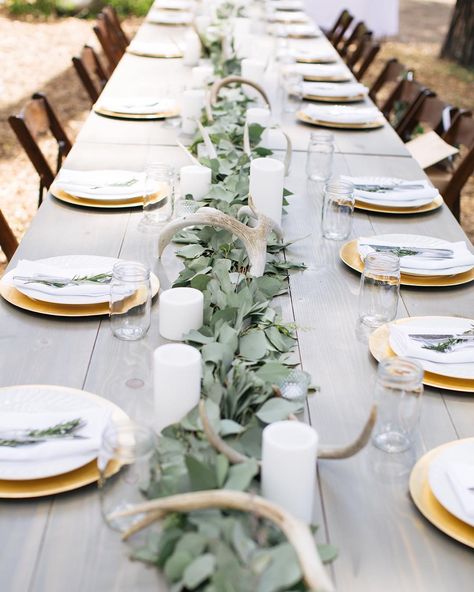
[112, 49]
[90, 72]
[8, 241]
[362, 56]
[36, 120]
[340, 27]
[451, 177]
[434, 113]
[115, 26]
[403, 101]
[347, 44]
[392, 72]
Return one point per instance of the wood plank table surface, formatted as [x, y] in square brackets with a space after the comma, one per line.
[362, 504]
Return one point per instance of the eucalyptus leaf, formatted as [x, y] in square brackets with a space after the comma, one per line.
[277, 409]
[199, 571]
[241, 475]
[253, 346]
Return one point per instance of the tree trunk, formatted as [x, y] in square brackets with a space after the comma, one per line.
[459, 42]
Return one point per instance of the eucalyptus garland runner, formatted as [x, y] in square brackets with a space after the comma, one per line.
[247, 349]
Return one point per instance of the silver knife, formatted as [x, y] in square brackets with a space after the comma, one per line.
[58, 280]
[439, 337]
[407, 187]
[431, 253]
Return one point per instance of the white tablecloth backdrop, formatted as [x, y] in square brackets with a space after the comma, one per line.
[381, 16]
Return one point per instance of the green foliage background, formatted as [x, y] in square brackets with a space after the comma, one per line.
[66, 7]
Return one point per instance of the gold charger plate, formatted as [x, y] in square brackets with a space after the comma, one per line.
[334, 99]
[326, 78]
[356, 126]
[134, 202]
[349, 254]
[169, 55]
[134, 116]
[379, 347]
[433, 205]
[66, 481]
[301, 60]
[17, 298]
[429, 506]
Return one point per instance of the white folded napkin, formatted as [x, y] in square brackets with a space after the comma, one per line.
[139, 105]
[154, 49]
[342, 114]
[461, 254]
[101, 183]
[321, 70]
[287, 4]
[461, 477]
[297, 30]
[428, 192]
[408, 347]
[316, 54]
[280, 16]
[174, 4]
[169, 17]
[96, 421]
[26, 268]
[328, 89]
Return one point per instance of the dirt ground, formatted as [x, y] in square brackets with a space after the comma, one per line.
[37, 56]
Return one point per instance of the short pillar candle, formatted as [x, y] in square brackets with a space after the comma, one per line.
[180, 310]
[252, 70]
[266, 186]
[260, 115]
[289, 453]
[192, 105]
[195, 180]
[177, 370]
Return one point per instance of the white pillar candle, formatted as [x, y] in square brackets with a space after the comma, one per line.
[289, 452]
[179, 311]
[274, 139]
[195, 180]
[266, 186]
[260, 115]
[201, 76]
[177, 370]
[192, 49]
[192, 104]
[252, 70]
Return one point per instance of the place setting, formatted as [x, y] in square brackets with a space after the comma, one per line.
[443, 346]
[137, 108]
[341, 116]
[442, 485]
[424, 261]
[328, 92]
[155, 49]
[179, 5]
[76, 286]
[314, 54]
[290, 16]
[159, 16]
[323, 72]
[296, 30]
[50, 439]
[392, 195]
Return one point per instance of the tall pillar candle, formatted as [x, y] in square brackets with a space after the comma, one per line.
[201, 76]
[177, 373]
[252, 70]
[260, 115]
[266, 186]
[289, 452]
[192, 49]
[195, 180]
[192, 104]
[180, 310]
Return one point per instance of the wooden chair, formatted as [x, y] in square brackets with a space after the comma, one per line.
[363, 55]
[90, 72]
[432, 112]
[111, 47]
[403, 101]
[115, 25]
[358, 32]
[451, 175]
[35, 120]
[392, 72]
[340, 27]
[8, 240]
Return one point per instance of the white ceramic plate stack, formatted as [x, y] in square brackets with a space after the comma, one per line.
[341, 116]
[334, 92]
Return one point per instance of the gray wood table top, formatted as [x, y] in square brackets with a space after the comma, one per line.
[362, 503]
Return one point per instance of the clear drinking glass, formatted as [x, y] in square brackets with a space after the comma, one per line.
[130, 300]
[130, 447]
[295, 386]
[338, 207]
[293, 90]
[320, 156]
[379, 289]
[158, 195]
[398, 394]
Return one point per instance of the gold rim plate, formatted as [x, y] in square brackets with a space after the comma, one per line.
[20, 300]
[349, 254]
[134, 116]
[144, 54]
[354, 99]
[301, 60]
[355, 126]
[326, 78]
[67, 481]
[379, 347]
[429, 506]
[433, 205]
[134, 202]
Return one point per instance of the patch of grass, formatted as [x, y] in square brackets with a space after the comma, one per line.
[48, 8]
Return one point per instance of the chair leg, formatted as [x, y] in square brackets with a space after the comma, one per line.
[40, 195]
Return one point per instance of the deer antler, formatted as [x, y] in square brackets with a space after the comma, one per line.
[218, 84]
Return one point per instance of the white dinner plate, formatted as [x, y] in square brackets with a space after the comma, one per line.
[413, 203]
[440, 324]
[43, 399]
[169, 17]
[139, 106]
[428, 242]
[70, 262]
[440, 483]
[111, 179]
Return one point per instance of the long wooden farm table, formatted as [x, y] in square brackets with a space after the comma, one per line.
[363, 507]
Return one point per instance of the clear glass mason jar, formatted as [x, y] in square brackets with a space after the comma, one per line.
[338, 207]
[320, 156]
[130, 300]
[398, 394]
[158, 197]
[379, 289]
[131, 448]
